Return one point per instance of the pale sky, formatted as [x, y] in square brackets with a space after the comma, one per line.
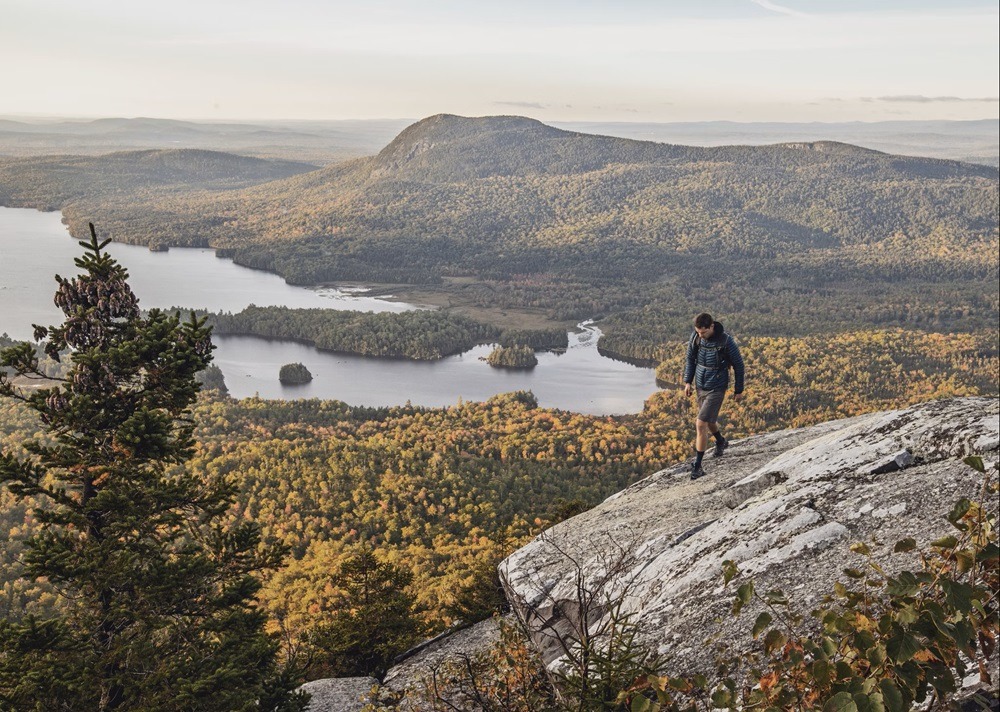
[555, 60]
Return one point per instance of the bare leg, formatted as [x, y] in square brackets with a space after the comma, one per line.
[701, 440]
[713, 428]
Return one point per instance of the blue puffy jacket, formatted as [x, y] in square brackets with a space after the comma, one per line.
[709, 360]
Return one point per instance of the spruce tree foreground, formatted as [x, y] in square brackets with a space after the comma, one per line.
[156, 595]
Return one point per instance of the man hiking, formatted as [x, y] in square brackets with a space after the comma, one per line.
[710, 354]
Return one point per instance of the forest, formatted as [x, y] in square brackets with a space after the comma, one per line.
[419, 335]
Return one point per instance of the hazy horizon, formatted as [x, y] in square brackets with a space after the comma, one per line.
[646, 61]
[554, 121]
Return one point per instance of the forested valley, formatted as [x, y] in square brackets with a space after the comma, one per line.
[446, 493]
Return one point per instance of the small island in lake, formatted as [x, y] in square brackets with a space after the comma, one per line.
[294, 374]
[518, 356]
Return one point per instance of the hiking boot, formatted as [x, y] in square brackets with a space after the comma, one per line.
[720, 447]
[697, 472]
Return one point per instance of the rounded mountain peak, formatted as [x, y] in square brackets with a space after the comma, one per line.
[449, 147]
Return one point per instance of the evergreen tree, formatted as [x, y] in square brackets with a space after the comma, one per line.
[157, 595]
[375, 624]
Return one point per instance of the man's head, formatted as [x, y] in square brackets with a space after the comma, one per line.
[704, 324]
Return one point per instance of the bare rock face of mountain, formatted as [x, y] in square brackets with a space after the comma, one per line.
[784, 506]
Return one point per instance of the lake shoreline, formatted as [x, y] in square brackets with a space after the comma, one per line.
[578, 380]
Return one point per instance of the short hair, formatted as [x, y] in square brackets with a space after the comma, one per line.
[703, 321]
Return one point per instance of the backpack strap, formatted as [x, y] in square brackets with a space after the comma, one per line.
[724, 360]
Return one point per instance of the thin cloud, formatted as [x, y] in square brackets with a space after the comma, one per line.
[522, 104]
[920, 99]
[767, 5]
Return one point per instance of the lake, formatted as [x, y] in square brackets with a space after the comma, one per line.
[34, 246]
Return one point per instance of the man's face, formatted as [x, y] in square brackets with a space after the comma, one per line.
[705, 332]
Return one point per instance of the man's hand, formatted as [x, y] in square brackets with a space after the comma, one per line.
[687, 389]
[738, 396]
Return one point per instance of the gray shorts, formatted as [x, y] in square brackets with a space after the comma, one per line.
[709, 404]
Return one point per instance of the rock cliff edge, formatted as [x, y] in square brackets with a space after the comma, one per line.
[784, 506]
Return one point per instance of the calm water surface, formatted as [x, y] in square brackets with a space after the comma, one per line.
[34, 246]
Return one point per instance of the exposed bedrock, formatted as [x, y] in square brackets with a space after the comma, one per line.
[784, 506]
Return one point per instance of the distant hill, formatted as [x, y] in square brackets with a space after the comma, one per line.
[972, 141]
[311, 141]
[318, 141]
[509, 195]
[51, 182]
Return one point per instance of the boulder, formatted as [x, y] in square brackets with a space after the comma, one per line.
[342, 694]
[414, 669]
[784, 506]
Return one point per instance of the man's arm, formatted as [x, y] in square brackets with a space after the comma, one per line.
[736, 359]
[690, 364]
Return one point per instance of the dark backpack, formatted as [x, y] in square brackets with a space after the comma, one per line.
[723, 352]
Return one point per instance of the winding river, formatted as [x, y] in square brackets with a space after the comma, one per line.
[34, 247]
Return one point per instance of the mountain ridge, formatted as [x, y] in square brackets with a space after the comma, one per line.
[480, 140]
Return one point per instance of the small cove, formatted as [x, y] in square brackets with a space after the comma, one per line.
[35, 246]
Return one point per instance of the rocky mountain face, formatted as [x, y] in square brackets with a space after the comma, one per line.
[784, 506]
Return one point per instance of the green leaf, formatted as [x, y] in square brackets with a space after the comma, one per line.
[960, 509]
[904, 545]
[678, 683]
[863, 640]
[722, 698]
[942, 679]
[821, 671]
[762, 622]
[841, 702]
[641, 704]
[902, 646]
[876, 655]
[905, 585]
[743, 595]
[869, 703]
[859, 547]
[945, 542]
[853, 573]
[976, 463]
[892, 698]
[990, 552]
[729, 570]
[958, 595]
